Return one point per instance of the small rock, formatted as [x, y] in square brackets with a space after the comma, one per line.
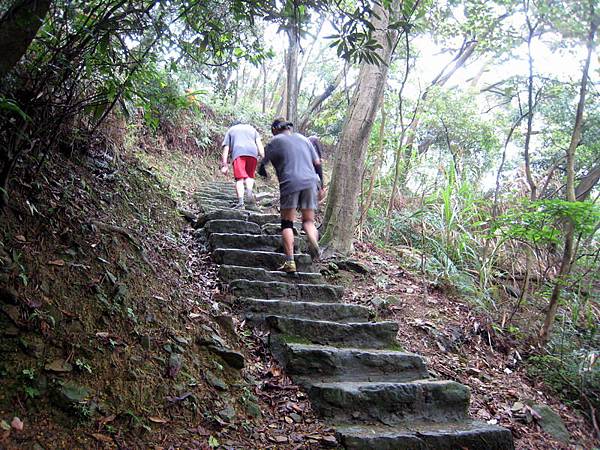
[226, 323]
[215, 381]
[296, 417]
[8, 295]
[551, 423]
[352, 265]
[231, 357]
[188, 215]
[181, 340]
[145, 342]
[228, 413]
[175, 364]
[253, 409]
[379, 302]
[17, 424]
[12, 312]
[70, 394]
[58, 366]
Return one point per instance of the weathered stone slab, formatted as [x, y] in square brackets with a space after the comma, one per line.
[391, 402]
[256, 310]
[235, 214]
[231, 226]
[230, 273]
[377, 335]
[275, 290]
[469, 434]
[326, 363]
[267, 243]
[265, 260]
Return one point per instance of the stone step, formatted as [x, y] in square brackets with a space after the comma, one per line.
[231, 226]
[230, 273]
[252, 242]
[256, 310]
[327, 364]
[464, 434]
[275, 228]
[276, 290]
[375, 335]
[206, 208]
[391, 402]
[265, 260]
[236, 214]
[203, 197]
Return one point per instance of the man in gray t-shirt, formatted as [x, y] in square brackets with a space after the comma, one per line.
[245, 145]
[294, 159]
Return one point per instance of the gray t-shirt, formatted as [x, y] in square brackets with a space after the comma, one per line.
[292, 155]
[241, 139]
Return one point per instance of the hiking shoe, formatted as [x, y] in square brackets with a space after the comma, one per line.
[288, 267]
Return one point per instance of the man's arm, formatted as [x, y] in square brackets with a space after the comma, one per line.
[225, 153]
[259, 146]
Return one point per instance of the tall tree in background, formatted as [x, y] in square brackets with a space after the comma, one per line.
[567, 262]
[340, 215]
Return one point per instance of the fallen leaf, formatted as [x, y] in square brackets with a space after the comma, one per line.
[157, 420]
[56, 262]
[107, 419]
[102, 438]
[102, 334]
[20, 238]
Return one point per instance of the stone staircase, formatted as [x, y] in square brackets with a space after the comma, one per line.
[375, 395]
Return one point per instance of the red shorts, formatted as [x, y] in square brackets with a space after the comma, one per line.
[244, 167]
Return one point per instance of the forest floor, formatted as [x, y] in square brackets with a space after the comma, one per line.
[461, 344]
[110, 310]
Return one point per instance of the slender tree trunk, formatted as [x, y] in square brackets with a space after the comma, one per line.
[529, 176]
[340, 214]
[306, 117]
[264, 88]
[18, 27]
[442, 78]
[376, 167]
[291, 102]
[275, 88]
[306, 59]
[567, 262]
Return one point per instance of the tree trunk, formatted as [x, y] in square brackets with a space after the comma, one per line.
[530, 105]
[567, 262]
[264, 88]
[291, 101]
[376, 167]
[340, 214]
[18, 27]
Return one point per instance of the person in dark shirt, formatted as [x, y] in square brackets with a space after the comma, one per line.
[295, 160]
[315, 141]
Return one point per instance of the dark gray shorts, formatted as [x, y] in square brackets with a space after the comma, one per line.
[306, 199]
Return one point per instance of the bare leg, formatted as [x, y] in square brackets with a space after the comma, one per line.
[239, 190]
[287, 234]
[308, 224]
[249, 183]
